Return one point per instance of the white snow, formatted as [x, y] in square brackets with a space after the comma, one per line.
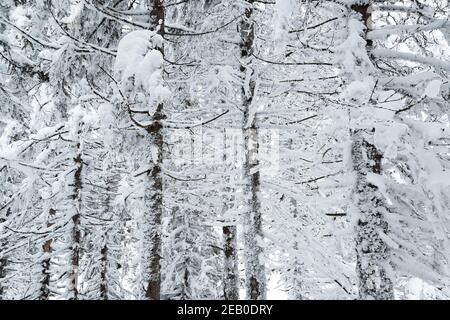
[138, 58]
[283, 10]
[433, 88]
[19, 16]
[75, 11]
[131, 50]
[359, 91]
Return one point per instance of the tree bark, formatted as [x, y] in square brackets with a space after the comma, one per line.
[153, 291]
[231, 272]
[47, 249]
[255, 275]
[372, 253]
[76, 232]
[104, 269]
[3, 261]
[3, 264]
[297, 283]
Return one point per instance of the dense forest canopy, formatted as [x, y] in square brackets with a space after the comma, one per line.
[224, 149]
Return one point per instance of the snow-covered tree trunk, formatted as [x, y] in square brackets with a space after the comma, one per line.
[154, 196]
[254, 266]
[231, 271]
[2, 275]
[297, 286]
[372, 253]
[76, 229]
[104, 270]
[46, 273]
[107, 277]
[3, 264]
[113, 233]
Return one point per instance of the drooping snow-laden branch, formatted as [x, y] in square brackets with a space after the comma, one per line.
[383, 32]
[77, 41]
[30, 37]
[412, 57]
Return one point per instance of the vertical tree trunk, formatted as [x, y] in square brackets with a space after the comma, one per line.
[3, 260]
[297, 280]
[104, 269]
[3, 264]
[45, 282]
[104, 292]
[76, 232]
[372, 252]
[153, 291]
[47, 249]
[254, 268]
[231, 272]
[297, 284]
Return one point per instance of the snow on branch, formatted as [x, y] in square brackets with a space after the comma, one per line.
[393, 54]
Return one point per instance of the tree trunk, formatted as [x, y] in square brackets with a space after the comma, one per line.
[104, 269]
[153, 291]
[47, 249]
[76, 232]
[3, 263]
[372, 253]
[231, 272]
[296, 280]
[3, 260]
[255, 277]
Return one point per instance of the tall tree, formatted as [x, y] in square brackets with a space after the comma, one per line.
[254, 266]
[153, 291]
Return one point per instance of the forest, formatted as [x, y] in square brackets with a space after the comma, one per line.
[224, 149]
